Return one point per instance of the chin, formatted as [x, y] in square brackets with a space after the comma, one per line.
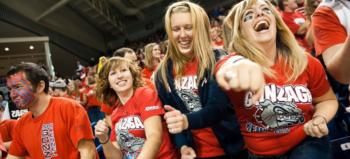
[186, 52]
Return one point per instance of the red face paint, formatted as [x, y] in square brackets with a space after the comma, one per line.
[21, 90]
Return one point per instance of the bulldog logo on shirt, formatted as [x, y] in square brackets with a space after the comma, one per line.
[129, 144]
[278, 114]
[277, 109]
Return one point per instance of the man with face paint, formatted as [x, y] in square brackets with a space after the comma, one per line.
[58, 127]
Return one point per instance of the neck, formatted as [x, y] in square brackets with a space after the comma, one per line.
[125, 96]
[155, 61]
[40, 105]
[270, 51]
[288, 10]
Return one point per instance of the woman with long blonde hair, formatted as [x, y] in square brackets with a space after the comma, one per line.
[152, 59]
[290, 118]
[187, 87]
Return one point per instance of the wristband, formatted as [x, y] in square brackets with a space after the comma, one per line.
[102, 143]
[108, 134]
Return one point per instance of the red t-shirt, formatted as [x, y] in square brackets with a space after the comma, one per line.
[2, 148]
[53, 134]
[274, 125]
[327, 29]
[128, 128]
[91, 97]
[147, 73]
[205, 140]
[7, 129]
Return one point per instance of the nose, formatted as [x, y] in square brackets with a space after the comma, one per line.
[12, 93]
[182, 32]
[119, 75]
[259, 13]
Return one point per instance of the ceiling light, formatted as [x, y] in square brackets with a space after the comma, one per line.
[31, 47]
[7, 49]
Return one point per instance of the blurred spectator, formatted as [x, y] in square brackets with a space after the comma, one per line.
[310, 6]
[331, 32]
[164, 48]
[295, 20]
[127, 53]
[216, 38]
[331, 28]
[59, 88]
[152, 59]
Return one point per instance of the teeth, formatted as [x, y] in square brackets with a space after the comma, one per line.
[183, 43]
[121, 82]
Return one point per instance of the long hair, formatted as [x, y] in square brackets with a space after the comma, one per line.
[104, 92]
[149, 64]
[288, 50]
[76, 88]
[201, 42]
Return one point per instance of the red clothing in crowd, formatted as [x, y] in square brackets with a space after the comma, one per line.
[294, 21]
[91, 97]
[53, 134]
[274, 125]
[2, 148]
[327, 29]
[128, 128]
[7, 129]
[147, 73]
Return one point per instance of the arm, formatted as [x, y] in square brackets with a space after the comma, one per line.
[87, 149]
[303, 27]
[325, 108]
[337, 60]
[13, 157]
[153, 130]
[332, 41]
[110, 149]
[83, 101]
[7, 144]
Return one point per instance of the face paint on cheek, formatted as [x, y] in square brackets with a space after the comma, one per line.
[22, 93]
[25, 96]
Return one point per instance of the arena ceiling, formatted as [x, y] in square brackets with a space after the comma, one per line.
[85, 29]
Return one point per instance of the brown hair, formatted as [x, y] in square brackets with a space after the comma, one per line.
[104, 92]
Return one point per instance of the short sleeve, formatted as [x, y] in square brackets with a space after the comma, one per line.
[78, 123]
[148, 103]
[17, 146]
[327, 30]
[2, 147]
[222, 61]
[7, 129]
[318, 83]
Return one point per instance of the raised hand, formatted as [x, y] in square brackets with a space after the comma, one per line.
[176, 121]
[242, 75]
